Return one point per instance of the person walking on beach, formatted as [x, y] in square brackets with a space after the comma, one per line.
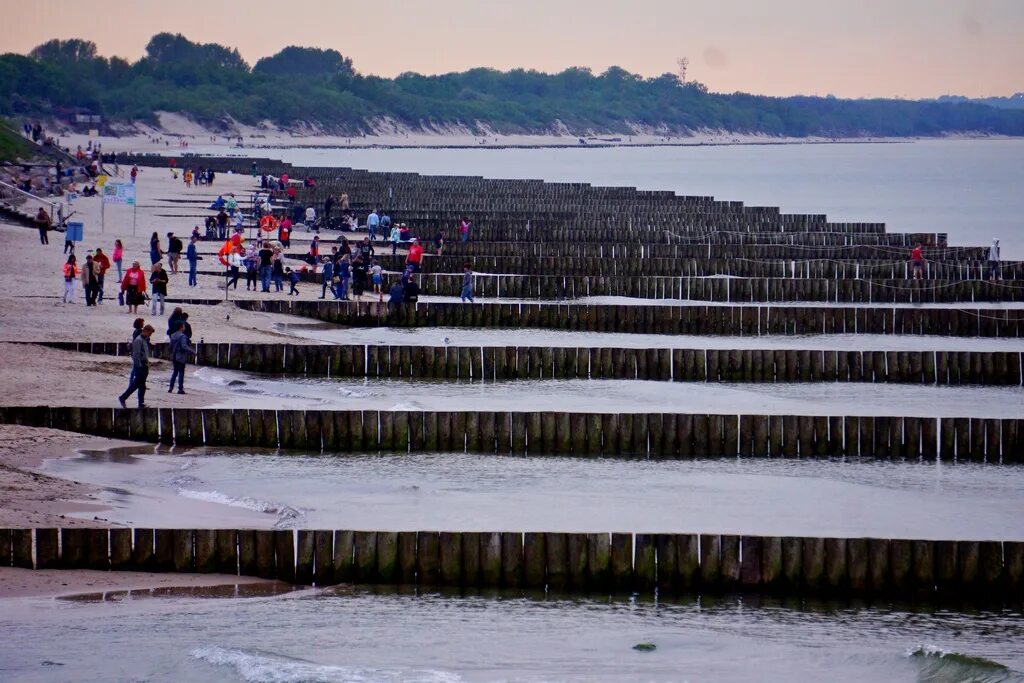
[467, 284]
[133, 286]
[90, 279]
[395, 237]
[993, 261]
[277, 270]
[396, 296]
[140, 368]
[42, 221]
[192, 256]
[180, 349]
[415, 257]
[328, 277]
[372, 221]
[159, 279]
[235, 265]
[71, 273]
[118, 257]
[252, 267]
[155, 252]
[174, 248]
[134, 174]
[293, 279]
[266, 256]
[377, 279]
[344, 274]
[917, 262]
[103, 265]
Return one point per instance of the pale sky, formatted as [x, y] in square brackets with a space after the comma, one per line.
[849, 48]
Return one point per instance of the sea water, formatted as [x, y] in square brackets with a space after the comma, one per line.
[464, 492]
[384, 636]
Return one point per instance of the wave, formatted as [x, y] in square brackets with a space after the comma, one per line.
[286, 514]
[260, 667]
[936, 665]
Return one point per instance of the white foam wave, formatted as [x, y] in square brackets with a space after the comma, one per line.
[406, 406]
[258, 667]
[286, 514]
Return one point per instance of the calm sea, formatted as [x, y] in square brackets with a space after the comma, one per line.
[971, 189]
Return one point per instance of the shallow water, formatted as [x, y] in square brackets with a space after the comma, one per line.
[456, 491]
[460, 336]
[324, 636]
[250, 390]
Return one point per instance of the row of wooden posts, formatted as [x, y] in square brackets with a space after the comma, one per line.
[746, 320]
[648, 435]
[725, 290]
[493, 363]
[584, 562]
[705, 250]
[808, 268]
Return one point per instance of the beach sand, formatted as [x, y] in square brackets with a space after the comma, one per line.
[23, 583]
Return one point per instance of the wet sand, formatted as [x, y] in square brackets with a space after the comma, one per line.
[22, 583]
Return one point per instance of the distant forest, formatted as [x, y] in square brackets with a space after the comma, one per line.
[300, 86]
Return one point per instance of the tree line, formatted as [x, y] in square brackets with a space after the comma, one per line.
[212, 84]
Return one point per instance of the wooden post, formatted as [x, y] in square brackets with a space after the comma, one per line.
[428, 558]
[490, 559]
[451, 558]
[511, 559]
[622, 561]
[534, 560]
[599, 561]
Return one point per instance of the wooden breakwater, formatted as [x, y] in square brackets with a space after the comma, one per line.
[807, 268]
[495, 363]
[649, 435]
[720, 290]
[582, 562]
[747, 320]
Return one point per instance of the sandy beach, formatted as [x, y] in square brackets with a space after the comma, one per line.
[31, 310]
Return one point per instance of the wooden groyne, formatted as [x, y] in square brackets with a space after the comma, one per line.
[579, 562]
[746, 320]
[719, 290]
[649, 435]
[495, 363]
[802, 268]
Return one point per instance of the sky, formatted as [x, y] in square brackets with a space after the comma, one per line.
[846, 48]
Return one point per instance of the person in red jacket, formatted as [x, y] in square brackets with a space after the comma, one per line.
[917, 262]
[415, 256]
[103, 261]
[134, 287]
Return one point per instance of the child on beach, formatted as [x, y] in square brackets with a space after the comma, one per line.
[377, 278]
[293, 279]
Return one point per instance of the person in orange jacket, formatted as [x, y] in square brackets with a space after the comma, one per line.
[71, 273]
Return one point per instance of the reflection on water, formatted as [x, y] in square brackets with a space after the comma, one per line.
[384, 635]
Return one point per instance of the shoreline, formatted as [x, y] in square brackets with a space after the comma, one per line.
[86, 584]
[174, 129]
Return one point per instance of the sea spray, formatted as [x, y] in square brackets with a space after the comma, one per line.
[263, 667]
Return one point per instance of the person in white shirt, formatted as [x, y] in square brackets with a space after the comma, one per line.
[310, 216]
[993, 261]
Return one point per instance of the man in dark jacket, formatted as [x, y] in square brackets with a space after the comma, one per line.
[180, 349]
[140, 367]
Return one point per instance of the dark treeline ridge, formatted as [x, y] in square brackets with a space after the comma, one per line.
[300, 87]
